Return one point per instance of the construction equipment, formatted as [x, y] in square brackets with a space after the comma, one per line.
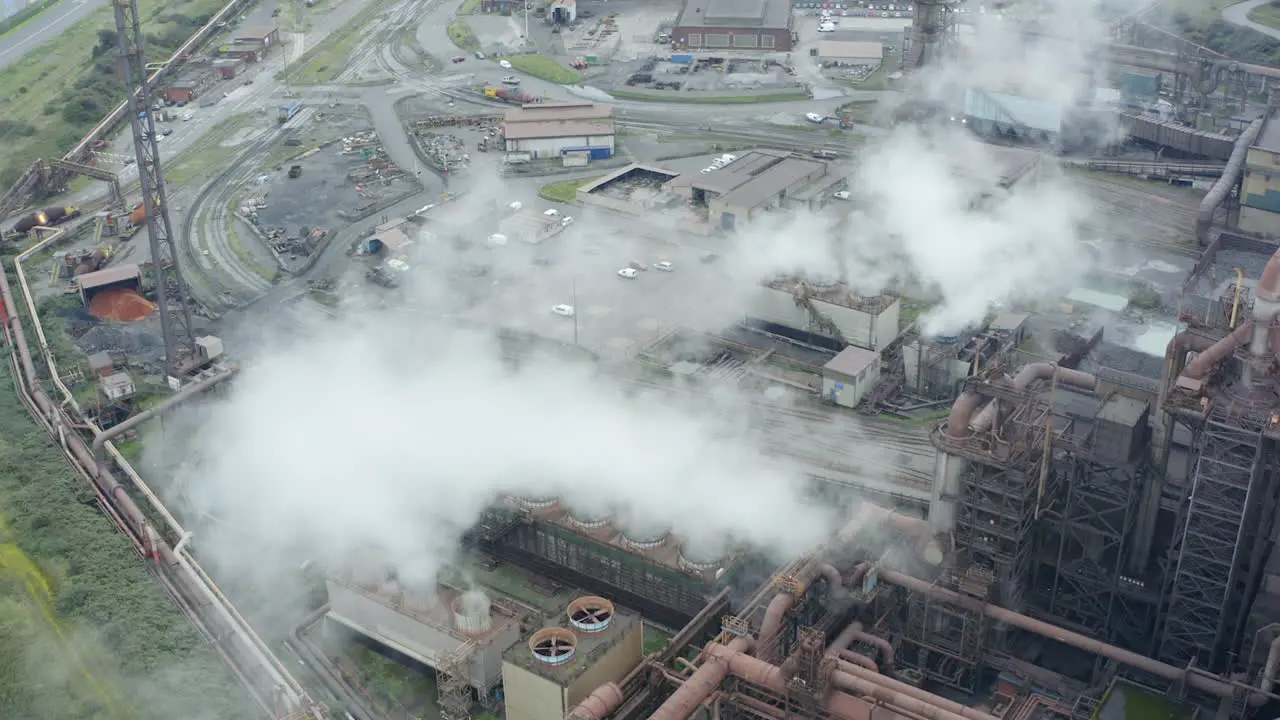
[510, 96]
[171, 290]
[46, 218]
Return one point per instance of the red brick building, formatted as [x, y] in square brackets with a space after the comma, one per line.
[734, 25]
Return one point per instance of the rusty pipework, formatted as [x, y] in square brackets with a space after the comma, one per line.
[858, 659]
[1204, 682]
[782, 602]
[698, 687]
[1027, 375]
[597, 706]
[1206, 359]
[919, 528]
[917, 693]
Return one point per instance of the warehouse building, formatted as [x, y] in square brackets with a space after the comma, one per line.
[120, 276]
[849, 376]
[591, 643]
[188, 86]
[1260, 196]
[550, 130]
[1010, 117]
[529, 226]
[827, 308]
[758, 181]
[734, 24]
[850, 52]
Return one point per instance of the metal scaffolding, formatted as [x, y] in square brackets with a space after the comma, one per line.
[945, 643]
[1225, 518]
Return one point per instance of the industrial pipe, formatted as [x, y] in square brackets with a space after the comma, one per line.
[715, 668]
[919, 528]
[1222, 188]
[858, 659]
[1027, 375]
[917, 693]
[598, 704]
[961, 411]
[1214, 686]
[1206, 359]
[884, 646]
[881, 694]
[783, 601]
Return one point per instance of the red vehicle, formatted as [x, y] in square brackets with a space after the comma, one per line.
[459, 58]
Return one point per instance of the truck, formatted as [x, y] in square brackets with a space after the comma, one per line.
[510, 95]
[46, 218]
[295, 171]
[288, 111]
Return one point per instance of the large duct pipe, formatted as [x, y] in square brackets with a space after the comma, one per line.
[1222, 188]
[1214, 686]
[884, 646]
[715, 668]
[190, 391]
[917, 693]
[598, 704]
[857, 659]
[961, 412]
[1206, 359]
[919, 528]
[1027, 375]
[783, 601]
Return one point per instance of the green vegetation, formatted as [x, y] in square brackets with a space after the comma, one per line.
[1138, 704]
[655, 641]
[461, 34]
[469, 7]
[541, 66]
[1268, 15]
[57, 92]
[85, 631]
[325, 62]
[246, 257]
[20, 18]
[565, 191]
[390, 683]
[1200, 21]
[200, 162]
[708, 99]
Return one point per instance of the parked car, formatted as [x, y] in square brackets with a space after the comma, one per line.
[841, 195]
[564, 310]
[497, 240]
[663, 266]
[552, 212]
[815, 118]
[511, 80]
[504, 64]
[628, 273]
[566, 221]
[459, 58]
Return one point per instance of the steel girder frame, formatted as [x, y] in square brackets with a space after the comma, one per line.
[945, 643]
[1092, 533]
[1208, 596]
[995, 517]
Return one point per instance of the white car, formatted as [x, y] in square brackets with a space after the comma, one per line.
[511, 80]
[841, 195]
[497, 240]
[664, 266]
[628, 273]
[566, 221]
[563, 310]
[504, 64]
[706, 170]
[814, 118]
[726, 159]
[551, 213]
[827, 27]
[515, 206]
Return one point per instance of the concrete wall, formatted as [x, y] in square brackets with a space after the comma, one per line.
[859, 328]
[614, 665]
[848, 391]
[381, 622]
[531, 697]
[681, 37]
[552, 147]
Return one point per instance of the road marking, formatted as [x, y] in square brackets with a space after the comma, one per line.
[38, 32]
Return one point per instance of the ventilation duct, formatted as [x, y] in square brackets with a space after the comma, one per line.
[591, 614]
[701, 557]
[588, 519]
[553, 646]
[471, 613]
[645, 535]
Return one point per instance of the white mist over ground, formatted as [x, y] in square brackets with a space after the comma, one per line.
[389, 430]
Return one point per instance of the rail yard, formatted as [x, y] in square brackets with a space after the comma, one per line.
[608, 360]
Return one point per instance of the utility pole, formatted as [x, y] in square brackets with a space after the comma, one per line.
[526, 21]
[575, 310]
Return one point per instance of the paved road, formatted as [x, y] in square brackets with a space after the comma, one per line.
[1238, 14]
[44, 27]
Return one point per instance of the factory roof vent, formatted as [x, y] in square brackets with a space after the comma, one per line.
[471, 613]
[588, 519]
[553, 646]
[645, 535]
[822, 282]
[591, 614]
[538, 504]
[701, 556]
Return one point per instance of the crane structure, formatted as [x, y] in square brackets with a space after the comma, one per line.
[171, 289]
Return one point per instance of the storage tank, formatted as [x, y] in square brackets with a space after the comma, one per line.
[645, 534]
[139, 214]
[585, 519]
[702, 556]
[471, 613]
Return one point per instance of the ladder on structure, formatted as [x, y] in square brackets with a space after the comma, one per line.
[452, 683]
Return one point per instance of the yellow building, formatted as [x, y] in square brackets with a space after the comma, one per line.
[1260, 196]
[562, 663]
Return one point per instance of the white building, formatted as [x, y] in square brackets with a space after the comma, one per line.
[849, 376]
[850, 52]
[530, 226]
[549, 130]
[829, 309]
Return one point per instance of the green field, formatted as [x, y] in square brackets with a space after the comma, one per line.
[323, 63]
[461, 34]
[1200, 21]
[1268, 15]
[565, 191]
[660, 96]
[24, 16]
[57, 92]
[541, 66]
[86, 633]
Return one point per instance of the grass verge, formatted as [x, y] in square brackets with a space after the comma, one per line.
[470, 7]
[1200, 21]
[461, 34]
[543, 67]
[59, 90]
[23, 16]
[325, 62]
[565, 191]
[706, 100]
[246, 257]
[198, 164]
[1268, 15]
[87, 632]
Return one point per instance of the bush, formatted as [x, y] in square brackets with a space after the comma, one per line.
[462, 36]
[541, 66]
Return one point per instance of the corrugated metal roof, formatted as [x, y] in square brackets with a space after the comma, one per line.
[557, 128]
[1013, 110]
[558, 111]
[109, 276]
[1269, 138]
[764, 14]
[771, 182]
[851, 49]
[851, 361]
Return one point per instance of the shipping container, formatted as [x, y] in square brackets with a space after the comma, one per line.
[1140, 85]
[288, 111]
[682, 59]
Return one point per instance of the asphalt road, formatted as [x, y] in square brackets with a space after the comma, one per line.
[1238, 14]
[44, 27]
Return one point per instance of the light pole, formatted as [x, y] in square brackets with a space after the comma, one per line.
[574, 282]
[526, 21]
